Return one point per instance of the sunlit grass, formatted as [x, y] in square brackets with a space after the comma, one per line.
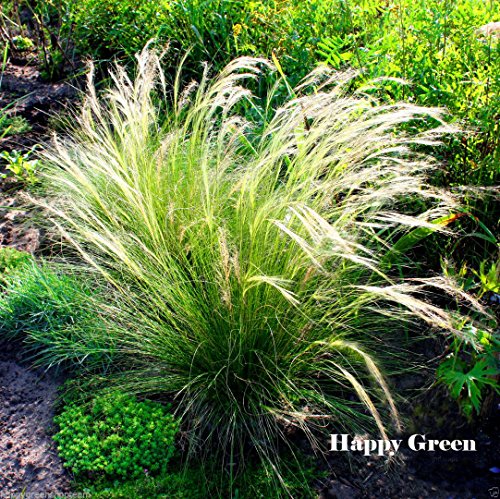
[251, 269]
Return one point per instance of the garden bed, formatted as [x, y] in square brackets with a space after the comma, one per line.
[29, 461]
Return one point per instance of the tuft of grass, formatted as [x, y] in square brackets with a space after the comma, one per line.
[55, 315]
[252, 269]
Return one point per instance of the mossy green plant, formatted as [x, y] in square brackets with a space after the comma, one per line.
[117, 436]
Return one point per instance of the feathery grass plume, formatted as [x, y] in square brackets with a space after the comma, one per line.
[249, 265]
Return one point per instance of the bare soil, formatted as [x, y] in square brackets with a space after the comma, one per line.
[415, 475]
[23, 93]
[29, 463]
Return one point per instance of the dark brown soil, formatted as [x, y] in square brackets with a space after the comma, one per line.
[29, 463]
[427, 410]
[17, 228]
[446, 475]
[27, 95]
[24, 93]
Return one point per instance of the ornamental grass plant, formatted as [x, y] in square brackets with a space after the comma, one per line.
[57, 316]
[254, 269]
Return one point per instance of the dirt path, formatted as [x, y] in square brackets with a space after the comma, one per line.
[28, 460]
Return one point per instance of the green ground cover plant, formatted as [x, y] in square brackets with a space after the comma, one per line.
[11, 260]
[198, 482]
[252, 270]
[116, 436]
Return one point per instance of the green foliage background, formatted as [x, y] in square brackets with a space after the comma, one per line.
[434, 45]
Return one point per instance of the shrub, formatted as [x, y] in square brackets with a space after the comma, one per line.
[211, 31]
[252, 269]
[117, 436]
[112, 28]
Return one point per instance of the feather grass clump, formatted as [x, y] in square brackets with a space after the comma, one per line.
[252, 268]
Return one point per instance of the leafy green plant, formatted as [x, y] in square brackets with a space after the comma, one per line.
[483, 281]
[12, 260]
[114, 28]
[22, 43]
[248, 267]
[117, 436]
[468, 379]
[331, 50]
[489, 277]
[473, 367]
[12, 125]
[20, 166]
